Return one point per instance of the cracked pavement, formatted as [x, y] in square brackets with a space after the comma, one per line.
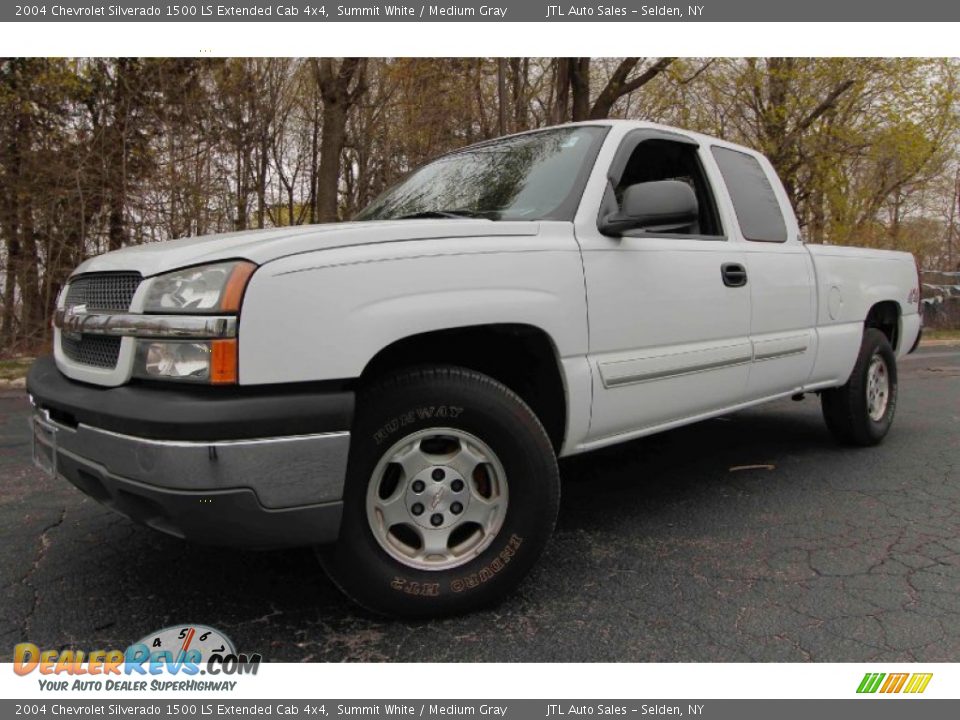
[662, 553]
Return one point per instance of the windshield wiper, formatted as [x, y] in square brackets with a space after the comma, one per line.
[454, 213]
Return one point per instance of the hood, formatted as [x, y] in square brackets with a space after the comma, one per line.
[262, 246]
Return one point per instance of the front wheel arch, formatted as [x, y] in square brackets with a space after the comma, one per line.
[524, 357]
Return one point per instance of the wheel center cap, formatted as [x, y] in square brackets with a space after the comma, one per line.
[436, 497]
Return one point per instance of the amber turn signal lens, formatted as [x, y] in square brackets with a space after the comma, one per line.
[223, 362]
[235, 287]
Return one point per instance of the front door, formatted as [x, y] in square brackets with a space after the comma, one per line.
[669, 316]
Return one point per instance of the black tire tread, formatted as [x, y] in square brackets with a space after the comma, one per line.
[426, 373]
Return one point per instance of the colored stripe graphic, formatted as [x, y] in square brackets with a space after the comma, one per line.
[870, 682]
[918, 682]
[894, 683]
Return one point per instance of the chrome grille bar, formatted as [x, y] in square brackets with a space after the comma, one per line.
[144, 326]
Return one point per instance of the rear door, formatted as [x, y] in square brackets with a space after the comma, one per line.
[669, 330]
[780, 274]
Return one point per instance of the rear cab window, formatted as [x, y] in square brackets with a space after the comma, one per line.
[754, 200]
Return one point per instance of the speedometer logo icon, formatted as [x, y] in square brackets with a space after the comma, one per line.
[178, 640]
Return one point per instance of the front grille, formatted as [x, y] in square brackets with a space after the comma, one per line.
[103, 291]
[100, 351]
[110, 291]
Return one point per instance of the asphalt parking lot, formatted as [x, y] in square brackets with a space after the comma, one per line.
[749, 537]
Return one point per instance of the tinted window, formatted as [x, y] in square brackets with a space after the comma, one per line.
[754, 200]
[537, 176]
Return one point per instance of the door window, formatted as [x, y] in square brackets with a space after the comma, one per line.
[659, 159]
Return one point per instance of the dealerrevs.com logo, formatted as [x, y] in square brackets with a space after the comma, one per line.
[909, 683]
[182, 652]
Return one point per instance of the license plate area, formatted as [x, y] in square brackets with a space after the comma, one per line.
[44, 445]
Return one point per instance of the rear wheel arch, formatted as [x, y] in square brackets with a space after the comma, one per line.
[885, 317]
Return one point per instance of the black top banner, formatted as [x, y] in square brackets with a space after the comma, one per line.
[472, 11]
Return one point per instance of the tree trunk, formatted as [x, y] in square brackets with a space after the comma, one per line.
[10, 285]
[33, 312]
[314, 158]
[519, 70]
[502, 100]
[117, 153]
[262, 163]
[241, 171]
[478, 88]
[562, 87]
[774, 117]
[11, 231]
[334, 85]
[580, 84]
[115, 224]
[331, 147]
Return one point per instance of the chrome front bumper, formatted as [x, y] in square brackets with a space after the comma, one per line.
[262, 492]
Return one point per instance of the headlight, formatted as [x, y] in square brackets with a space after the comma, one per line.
[204, 289]
[211, 361]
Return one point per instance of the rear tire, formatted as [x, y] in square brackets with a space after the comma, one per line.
[861, 411]
[452, 493]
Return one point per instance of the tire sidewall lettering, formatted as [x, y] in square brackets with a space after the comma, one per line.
[418, 414]
[414, 587]
[488, 571]
[462, 583]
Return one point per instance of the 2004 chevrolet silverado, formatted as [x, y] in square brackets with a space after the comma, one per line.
[396, 390]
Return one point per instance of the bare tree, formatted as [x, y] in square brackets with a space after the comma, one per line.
[340, 87]
[96, 154]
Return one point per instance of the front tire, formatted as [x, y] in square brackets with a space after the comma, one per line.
[452, 493]
[861, 411]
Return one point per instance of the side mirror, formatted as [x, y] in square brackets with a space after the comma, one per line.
[662, 205]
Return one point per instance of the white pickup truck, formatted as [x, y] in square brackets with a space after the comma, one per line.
[396, 390]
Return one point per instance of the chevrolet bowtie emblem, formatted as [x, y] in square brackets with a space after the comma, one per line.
[71, 321]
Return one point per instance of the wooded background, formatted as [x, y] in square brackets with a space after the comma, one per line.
[97, 154]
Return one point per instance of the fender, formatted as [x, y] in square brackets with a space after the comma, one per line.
[324, 315]
[849, 284]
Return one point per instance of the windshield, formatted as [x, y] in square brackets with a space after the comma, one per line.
[537, 176]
